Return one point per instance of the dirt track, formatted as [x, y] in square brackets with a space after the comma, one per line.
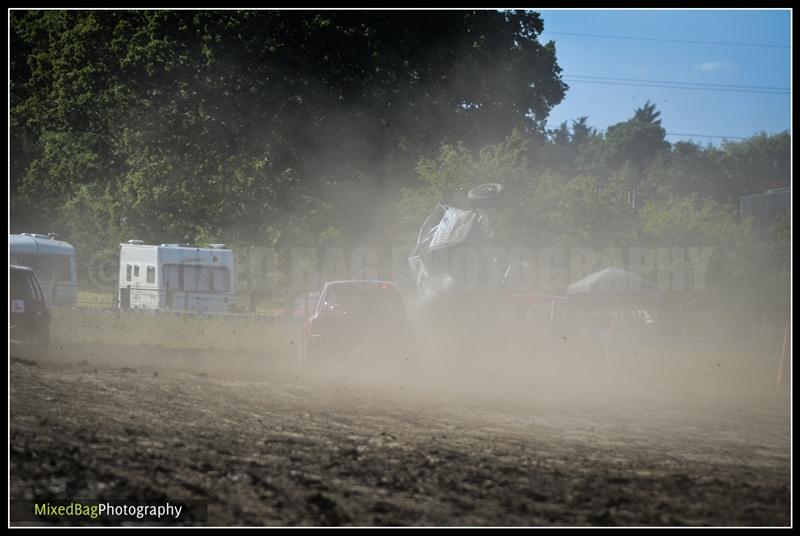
[278, 450]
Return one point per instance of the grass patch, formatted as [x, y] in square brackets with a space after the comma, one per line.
[173, 330]
[265, 306]
[87, 298]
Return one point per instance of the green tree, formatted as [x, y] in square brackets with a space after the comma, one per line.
[757, 164]
[580, 211]
[688, 169]
[456, 168]
[637, 140]
[735, 274]
[239, 122]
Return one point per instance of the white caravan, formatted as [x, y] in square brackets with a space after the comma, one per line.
[176, 277]
[52, 260]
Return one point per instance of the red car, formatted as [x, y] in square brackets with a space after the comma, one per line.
[357, 320]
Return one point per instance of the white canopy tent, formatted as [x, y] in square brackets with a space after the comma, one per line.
[616, 294]
[612, 280]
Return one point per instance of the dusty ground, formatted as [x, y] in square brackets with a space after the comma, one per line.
[267, 445]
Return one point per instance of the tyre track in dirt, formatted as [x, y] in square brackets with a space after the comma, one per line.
[281, 453]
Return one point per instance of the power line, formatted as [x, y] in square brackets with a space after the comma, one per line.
[636, 84]
[688, 41]
[705, 136]
[639, 84]
[684, 134]
[671, 82]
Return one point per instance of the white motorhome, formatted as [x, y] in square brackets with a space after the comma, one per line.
[176, 277]
[52, 260]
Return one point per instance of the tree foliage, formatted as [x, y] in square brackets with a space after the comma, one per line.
[236, 122]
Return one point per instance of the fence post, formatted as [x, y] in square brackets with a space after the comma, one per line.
[783, 374]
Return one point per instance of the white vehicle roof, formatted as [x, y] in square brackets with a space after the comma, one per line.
[41, 244]
[186, 247]
[176, 253]
[350, 281]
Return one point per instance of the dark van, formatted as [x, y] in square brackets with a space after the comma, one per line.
[29, 318]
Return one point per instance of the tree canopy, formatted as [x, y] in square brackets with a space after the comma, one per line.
[203, 122]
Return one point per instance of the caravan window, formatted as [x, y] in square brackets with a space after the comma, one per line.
[221, 280]
[151, 274]
[63, 269]
[172, 276]
[206, 279]
[43, 266]
[196, 278]
[128, 272]
[136, 270]
[31, 261]
[46, 266]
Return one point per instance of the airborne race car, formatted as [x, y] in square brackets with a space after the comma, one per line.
[446, 258]
[463, 290]
[477, 310]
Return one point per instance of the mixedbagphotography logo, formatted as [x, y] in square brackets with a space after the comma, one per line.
[103, 269]
[89, 511]
[514, 268]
